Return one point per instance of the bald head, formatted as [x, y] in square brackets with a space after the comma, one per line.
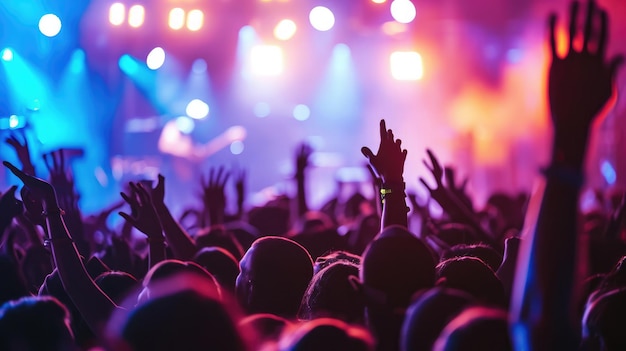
[275, 272]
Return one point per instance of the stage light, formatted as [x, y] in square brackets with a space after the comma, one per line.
[267, 60]
[7, 55]
[301, 112]
[128, 65]
[176, 19]
[13, 121]
[403, 11]
[379, 1]
[262, 109]
[406, 65]
[155, 58]
[199, 66]
[136, 16]
[117, 13]
[236, 147]
[197, 109]
[185, 124]
[322, 18]
[195, 20]
[285, 29]
[49, 25]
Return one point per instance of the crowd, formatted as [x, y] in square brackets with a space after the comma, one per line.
[349, 276]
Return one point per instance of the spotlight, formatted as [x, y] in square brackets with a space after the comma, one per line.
[155, 58]
[236, 147]
[49, 25]
[301, 112]
[322, 18]
[136, 16]
[195, 20]
[7, 54]
[176, 18]
[406, 65]
[403, 11]
[267, 60]
[117, 14]
[285, 29]
[197, 109]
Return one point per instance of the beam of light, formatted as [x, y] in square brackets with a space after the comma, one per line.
[50, 25]
[176, 18]
[195, 20]
[285, 29]
[136, 16]
[338, 95]
[144, 79]
[322, 18]
[403, 11]
[117, 14]
[406, 65]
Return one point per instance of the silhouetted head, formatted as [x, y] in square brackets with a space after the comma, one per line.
[221, 264]
[429, 315]
[456, 233]
[473, 276]
[268, 326]
[116, 285]
[170, 268]
[335, 257]
[35, 323]
[12, 285]
[326, 334]
[184, 312]
[270, 220]
[219, 237]
[275, 272]
[366, 230]
[486, 253]
[331, 294]
[604, 320]
[36, 264]
[476, 329]
[396, 265]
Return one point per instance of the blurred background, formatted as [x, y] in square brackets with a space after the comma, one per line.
[134, 88]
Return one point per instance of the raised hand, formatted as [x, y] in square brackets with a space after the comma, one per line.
[439, 193]
[39, 189]
[213, 195]
[62, 180]
[303, 156]
[143, 215]
[22, 151]
[581, 83]
[388, 162]
[457, 189]
[240, 190]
